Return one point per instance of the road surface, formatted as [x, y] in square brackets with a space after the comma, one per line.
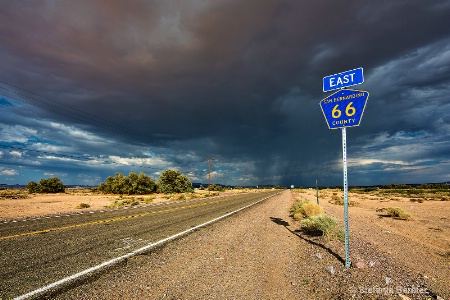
[38, 252]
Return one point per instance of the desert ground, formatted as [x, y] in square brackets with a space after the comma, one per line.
[421, 244]
[384, 250]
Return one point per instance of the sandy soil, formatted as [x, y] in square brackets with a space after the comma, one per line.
[261, 253]
[421, 244]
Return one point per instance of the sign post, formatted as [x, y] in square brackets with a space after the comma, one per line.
[346, 227]
[343, 109]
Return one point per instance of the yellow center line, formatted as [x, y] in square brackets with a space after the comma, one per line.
[103, 221]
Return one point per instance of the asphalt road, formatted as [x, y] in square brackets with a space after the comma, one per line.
[38, 252]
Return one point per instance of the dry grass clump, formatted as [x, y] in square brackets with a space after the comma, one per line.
[314, 221]
[13, 194]
[324, 225]
[83, 205]
[304, 209]
[118, 204]
[338, 200]
[311, 209]
[420, 200]
[397, 213]
[148, 199]
[335, 199]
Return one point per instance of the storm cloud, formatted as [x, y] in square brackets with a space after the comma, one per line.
[89, 88]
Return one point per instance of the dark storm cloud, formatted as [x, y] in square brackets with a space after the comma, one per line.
[236, 80]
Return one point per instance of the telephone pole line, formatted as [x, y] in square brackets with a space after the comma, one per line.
[209, 174]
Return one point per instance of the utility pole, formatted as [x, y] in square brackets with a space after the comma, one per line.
[209, 174]
[317, 192]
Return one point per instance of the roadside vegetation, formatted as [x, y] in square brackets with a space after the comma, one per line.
[420, 193]
[396, 213]
[50, 185]
[169, 182]
[83, 205]
[133, 184]
[13, 194]
[173, 181]
[314, 222]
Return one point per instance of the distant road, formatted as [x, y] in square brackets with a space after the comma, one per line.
[35, 253]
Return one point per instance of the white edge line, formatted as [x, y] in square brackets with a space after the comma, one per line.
[130, 254]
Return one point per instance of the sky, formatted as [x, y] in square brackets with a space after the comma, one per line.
[90, 88]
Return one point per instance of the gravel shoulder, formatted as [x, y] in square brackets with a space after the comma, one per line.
[260, 254]
[246, 256]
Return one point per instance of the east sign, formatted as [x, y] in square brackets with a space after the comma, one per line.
[342, 80]
[344, 108]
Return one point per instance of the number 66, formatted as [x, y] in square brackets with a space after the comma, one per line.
[349, 111]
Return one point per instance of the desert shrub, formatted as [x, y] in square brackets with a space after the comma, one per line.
[173, 181]
[141, 183]
[323, 225]
[295, 211]
[304, 209]
[32, 187]
[118, 204]
[297, 216]
[13, 194]
[396, 186]
[437, 186]
[119, 184]
[83, 205]
[311, 209]
[50, 185]
[335, 199]
[215, 187]
[397, 212]
[132, 184]
[420, 200]
[181, 197]
[338, 200]
[148, 199]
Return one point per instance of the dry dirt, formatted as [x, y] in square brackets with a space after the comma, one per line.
[421, 245]
[260, 253]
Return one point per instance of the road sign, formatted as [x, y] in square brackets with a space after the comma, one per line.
[344, 108]
[342, 80]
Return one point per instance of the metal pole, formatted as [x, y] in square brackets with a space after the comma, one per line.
[346, 228]
[317, 193]
[209, 176]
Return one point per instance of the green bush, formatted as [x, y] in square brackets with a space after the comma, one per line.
[50, 185]
[134, 184]
[323, 225]
[215, 187]
[172, 181]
